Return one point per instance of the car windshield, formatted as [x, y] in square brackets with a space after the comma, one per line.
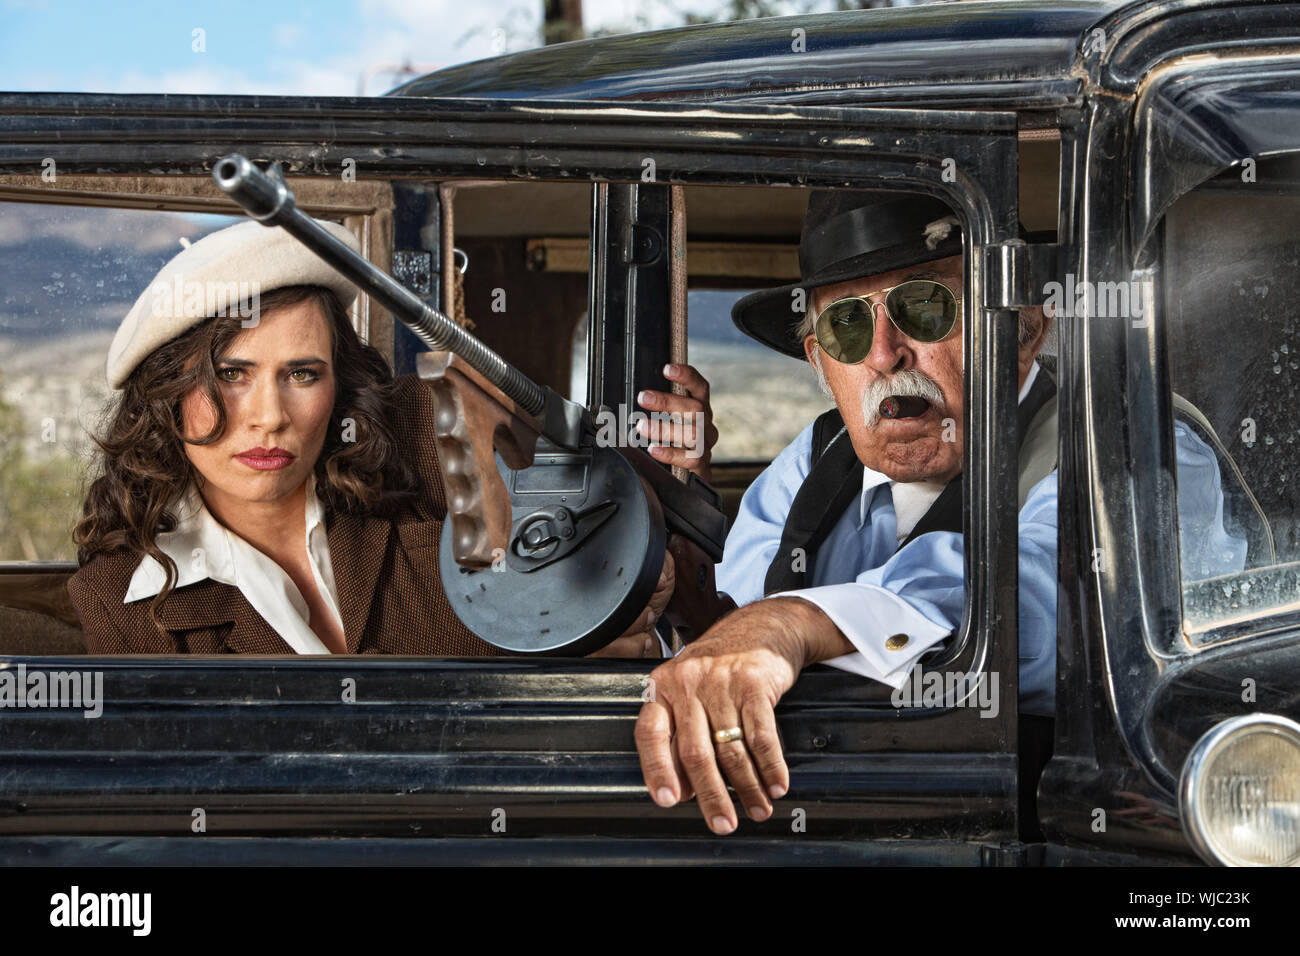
[1231, 250]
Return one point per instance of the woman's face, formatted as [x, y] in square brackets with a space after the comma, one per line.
[277, 381]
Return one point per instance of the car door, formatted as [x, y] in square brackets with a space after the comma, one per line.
[1180, 550]
[480, 752]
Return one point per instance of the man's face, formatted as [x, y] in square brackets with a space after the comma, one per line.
[925, 447]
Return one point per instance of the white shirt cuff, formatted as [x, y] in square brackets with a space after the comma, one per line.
[869, 616]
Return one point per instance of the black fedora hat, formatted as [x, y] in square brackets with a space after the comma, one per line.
[849, 234]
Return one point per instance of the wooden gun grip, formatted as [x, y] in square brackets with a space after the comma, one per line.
[472, 420]
[696, 604]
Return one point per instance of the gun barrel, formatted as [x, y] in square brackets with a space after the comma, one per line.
[268, 199]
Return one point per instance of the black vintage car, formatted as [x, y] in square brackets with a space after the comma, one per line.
[1152, 152]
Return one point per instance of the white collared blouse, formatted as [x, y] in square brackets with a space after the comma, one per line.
[204, 548]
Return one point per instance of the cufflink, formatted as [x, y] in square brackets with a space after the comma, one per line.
[897, 642]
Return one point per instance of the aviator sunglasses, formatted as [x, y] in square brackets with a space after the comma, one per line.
[922, 309]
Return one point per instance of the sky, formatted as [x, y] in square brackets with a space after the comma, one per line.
[324, 47]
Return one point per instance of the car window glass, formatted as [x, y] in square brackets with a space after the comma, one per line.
[761, 399]
[1231, 251]
[68, 275]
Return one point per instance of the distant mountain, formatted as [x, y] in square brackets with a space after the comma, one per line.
[70, 268]
[709, 317]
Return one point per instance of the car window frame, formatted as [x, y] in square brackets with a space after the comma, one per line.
[1121, 573]
[916, 151]
[365, 211]
[1177, 95]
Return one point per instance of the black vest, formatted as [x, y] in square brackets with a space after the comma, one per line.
[835, 481]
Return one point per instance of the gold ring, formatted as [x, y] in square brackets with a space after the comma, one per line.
[727, 736]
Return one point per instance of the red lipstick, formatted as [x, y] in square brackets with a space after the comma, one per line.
[266, 459]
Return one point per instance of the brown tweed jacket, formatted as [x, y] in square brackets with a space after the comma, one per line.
[386, 571]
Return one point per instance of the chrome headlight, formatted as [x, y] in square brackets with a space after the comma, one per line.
[1239, 795]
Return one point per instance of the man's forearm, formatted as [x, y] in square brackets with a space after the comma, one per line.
[809, 627]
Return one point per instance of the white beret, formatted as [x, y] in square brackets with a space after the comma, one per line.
[213, 276]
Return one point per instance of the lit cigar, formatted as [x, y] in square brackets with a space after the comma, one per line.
[897, 406]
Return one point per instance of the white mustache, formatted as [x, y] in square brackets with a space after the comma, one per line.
[908, 383]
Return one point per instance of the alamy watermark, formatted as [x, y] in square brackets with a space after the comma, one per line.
[950, 689]
[624, 429]
[76, 909]
[181, 299]
[71, 690]
[1132, 299]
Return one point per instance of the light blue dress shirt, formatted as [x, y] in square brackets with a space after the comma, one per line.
[872, 589]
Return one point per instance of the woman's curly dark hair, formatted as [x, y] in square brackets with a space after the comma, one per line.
[143, 468]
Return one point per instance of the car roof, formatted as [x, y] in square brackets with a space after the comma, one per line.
[997, 52]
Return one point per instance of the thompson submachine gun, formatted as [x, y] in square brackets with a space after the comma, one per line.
[557, 540]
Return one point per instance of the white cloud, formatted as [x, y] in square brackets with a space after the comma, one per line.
[625, 15]
[288, 35]
[216, 79]
[424, 34]
[446, 32]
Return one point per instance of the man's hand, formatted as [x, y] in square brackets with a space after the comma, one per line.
[640, 640]
[732, 677]
[690, 444]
